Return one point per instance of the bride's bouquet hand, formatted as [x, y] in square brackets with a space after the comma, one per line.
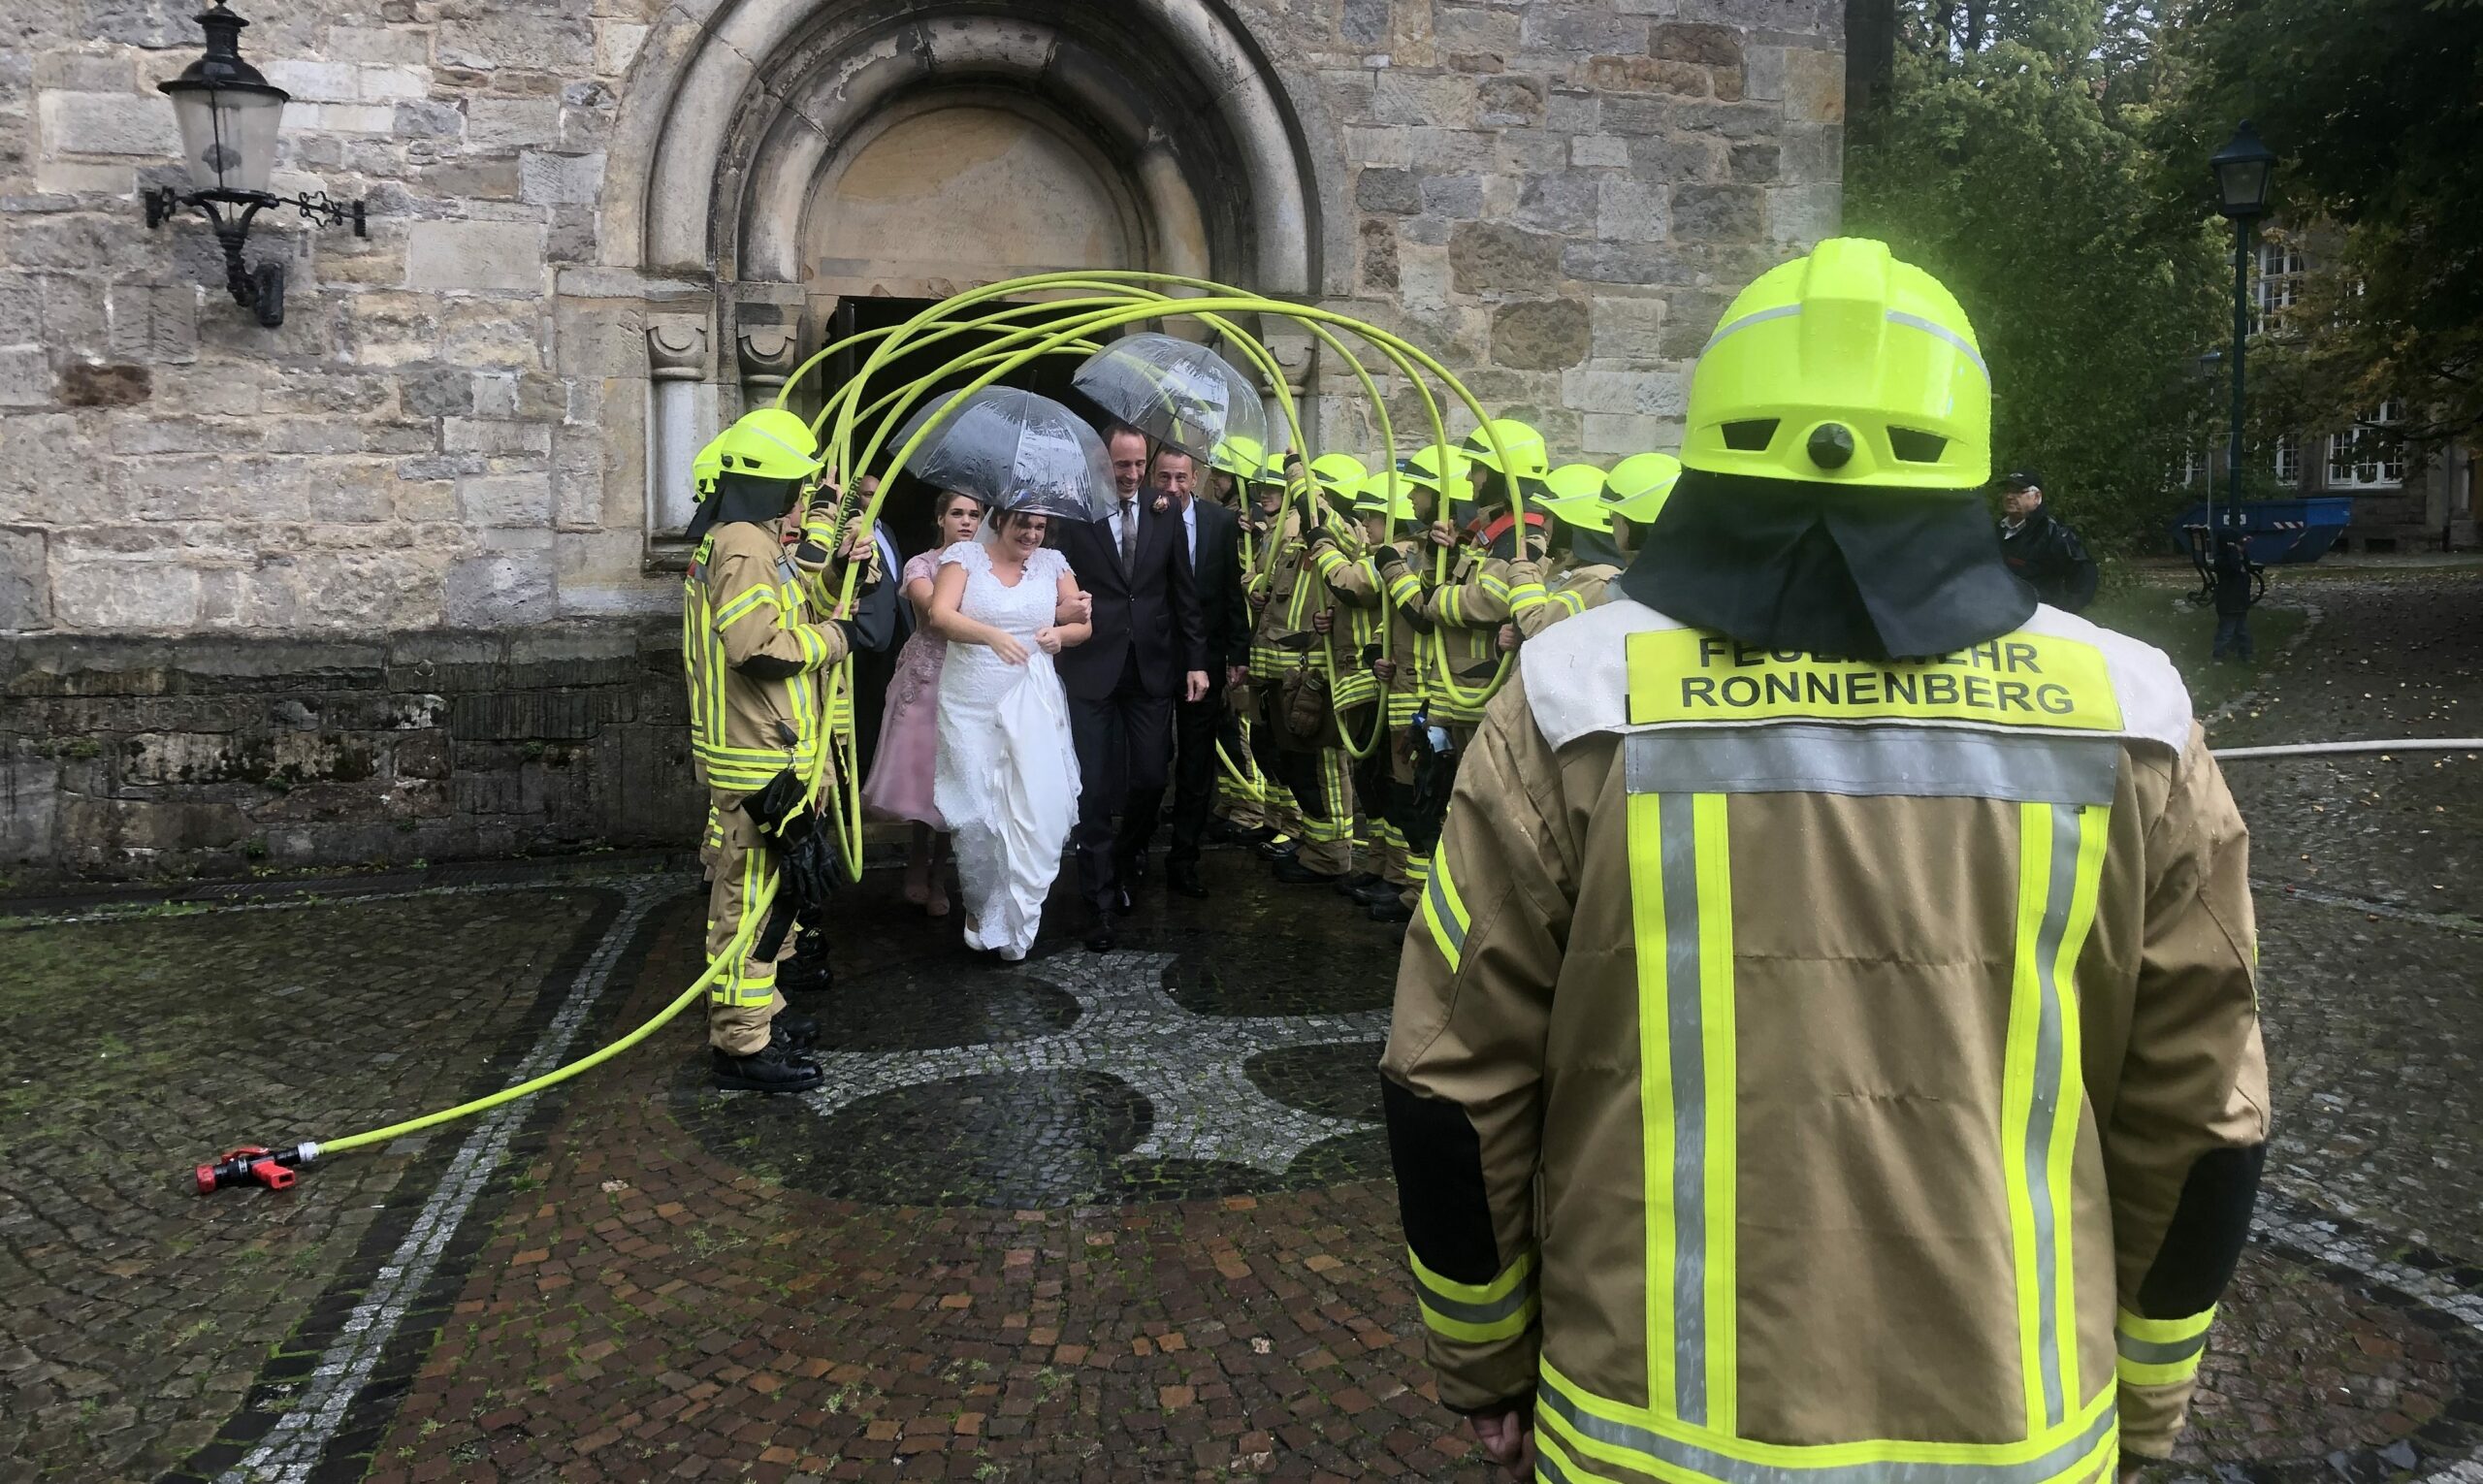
[1010, 650]
[1048, 639]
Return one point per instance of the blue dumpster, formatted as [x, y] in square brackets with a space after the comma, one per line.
[2273, 531]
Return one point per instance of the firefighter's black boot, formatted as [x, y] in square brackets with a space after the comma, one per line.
[808, 971]
[772, 1068]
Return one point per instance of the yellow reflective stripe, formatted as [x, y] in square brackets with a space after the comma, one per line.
[1479, 1312]
[1655, 1080]
[2091, 826]
[2163, 1332]
[2018, 1092]
[1525, 598]
[1606, 1432]
[1720, 1053]
[1572, 600]
[2060, 861]
[1444, 911]
[746, 604]
[2159, 1353]
[1493, 586]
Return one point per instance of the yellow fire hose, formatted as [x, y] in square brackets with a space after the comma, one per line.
[1095, 316]
[274, 1168]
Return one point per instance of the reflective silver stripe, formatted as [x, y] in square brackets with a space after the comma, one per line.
[1707, 1463]
[2026, 767]
[1781, 311]
[1929, 327]
[1677, 842]
[1519, 1296]
[2045, 1108]
[2160, 1352]
[1449, 923]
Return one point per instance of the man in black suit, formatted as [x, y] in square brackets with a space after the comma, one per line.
[1148, 648]
[1212, 536]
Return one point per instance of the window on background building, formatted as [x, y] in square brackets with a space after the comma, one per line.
[2367, 458]
[2278, 286]
[2289, 460]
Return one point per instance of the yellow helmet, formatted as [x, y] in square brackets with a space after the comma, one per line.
[1338, 475]
[1386, 493]
[706, 465]
[1240, 456]
[771, 444]
[1575, 481]
[1422, 465]
[1638, 486]
[1846, 367]
[1529, 456]
[1273, 472]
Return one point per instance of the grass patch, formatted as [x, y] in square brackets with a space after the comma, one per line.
[2164, 618]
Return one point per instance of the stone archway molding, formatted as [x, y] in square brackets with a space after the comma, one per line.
[733, 104]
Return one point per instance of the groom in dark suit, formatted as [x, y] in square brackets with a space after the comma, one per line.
[1148, 649]
[1212, 535]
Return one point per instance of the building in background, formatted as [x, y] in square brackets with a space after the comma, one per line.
[396, 580]
[2400, 503]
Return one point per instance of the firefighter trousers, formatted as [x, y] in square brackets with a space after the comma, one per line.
[743, 1000]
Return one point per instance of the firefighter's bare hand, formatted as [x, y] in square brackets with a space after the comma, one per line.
[1508, 637]
[1006, 646]
[1235, 675]
[1258, 600]
[1324, 620]
[1508, 1440]
[1385, 669]
[857, 545]
[1443, 534]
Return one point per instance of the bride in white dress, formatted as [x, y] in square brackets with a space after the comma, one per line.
[1007, 778]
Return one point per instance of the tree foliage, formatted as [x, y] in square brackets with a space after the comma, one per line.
[2012, 160]
[2375, 111]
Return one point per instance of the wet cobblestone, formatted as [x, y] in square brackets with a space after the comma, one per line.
[134, 1317]
[1117, 1219]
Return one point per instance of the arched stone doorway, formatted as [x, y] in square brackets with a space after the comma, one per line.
[798, 156]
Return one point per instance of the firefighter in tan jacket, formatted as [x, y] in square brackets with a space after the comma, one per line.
[1608, 522]
[756, 651]
[1814, 1065]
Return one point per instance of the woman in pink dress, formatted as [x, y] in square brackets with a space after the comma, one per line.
[899, 787]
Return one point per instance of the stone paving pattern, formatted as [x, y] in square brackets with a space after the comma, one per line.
[132, 1315]
[975, 1279]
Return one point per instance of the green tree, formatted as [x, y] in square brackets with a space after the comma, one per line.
[2375, 111]
[2010, 158]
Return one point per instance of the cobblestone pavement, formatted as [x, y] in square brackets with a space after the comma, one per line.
[1118, 1219]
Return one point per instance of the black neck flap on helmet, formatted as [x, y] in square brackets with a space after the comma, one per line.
[740, 497]
[1832, 569]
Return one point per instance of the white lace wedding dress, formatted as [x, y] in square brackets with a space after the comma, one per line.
[1007, 778]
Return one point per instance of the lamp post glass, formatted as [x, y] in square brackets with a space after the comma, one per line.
[2244, 168]
[228, 135]
[228, 113]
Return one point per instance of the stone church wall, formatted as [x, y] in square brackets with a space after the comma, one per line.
[378, 585]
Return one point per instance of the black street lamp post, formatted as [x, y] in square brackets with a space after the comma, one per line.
[228, 113]
[2244, 170]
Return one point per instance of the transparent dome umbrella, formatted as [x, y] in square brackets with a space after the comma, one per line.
[1176, 391]
[1013, 450]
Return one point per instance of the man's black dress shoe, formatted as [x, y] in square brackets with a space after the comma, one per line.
[1183, 877]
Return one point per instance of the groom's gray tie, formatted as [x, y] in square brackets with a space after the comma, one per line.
[1129, 534]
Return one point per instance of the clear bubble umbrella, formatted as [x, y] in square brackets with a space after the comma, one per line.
[1013, 450]
[1176, 391]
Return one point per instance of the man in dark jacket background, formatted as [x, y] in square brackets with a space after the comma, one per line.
[2041, 549]
[1213, 535]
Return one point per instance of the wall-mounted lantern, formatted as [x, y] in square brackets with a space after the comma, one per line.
[228, 113]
